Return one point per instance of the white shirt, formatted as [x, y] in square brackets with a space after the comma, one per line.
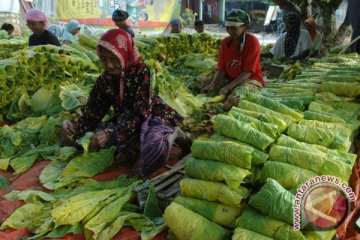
[303, 44]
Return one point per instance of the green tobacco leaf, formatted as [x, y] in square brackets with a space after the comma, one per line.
[5, 130]
[85, 141]
[72, 96]
[74, 209]
[29, 196]
[49, 134]
[52, 173]
[138, 221]
[90, 164]
[151, 208]
[32, 216]
[108, 214]
[61, 231]
[4, 182]
[45, 101]
[33, 123]
[4, 163]
[62, 153]
[22, 163]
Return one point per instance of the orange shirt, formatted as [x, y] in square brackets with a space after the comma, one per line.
[234, 64]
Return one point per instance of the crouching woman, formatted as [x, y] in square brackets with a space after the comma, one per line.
[143, 127]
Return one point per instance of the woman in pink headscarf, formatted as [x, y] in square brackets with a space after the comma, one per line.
[143, 127]
[37, 22]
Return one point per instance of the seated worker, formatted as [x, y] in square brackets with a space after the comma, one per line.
[354, 18]
[239, 69]
[143, 127]
[315, 35]
[119, 17]
[37, 22]
[199, 26]
[72, 28]
[294, 44]
[175, 25]
[6, 30]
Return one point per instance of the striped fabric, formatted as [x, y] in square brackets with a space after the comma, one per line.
[154, 146]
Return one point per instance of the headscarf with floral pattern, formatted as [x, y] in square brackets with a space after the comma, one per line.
[121, 44]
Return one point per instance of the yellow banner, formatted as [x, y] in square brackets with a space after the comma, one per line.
[139, 10]
[160, 10]
[78, 9]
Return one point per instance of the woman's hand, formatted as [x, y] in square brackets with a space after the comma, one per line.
[287, 60]
[208, 88]
[226, 90]
[99, 140]
[232, 100]
[67, 132]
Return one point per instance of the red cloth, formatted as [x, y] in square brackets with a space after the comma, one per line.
[127, 233]
[7, 207]
[14, 234]
[29, 179]
[233, 64]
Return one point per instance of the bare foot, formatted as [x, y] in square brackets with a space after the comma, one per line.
[122, 158]
[184, 142]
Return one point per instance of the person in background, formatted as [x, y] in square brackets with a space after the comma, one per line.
[6, 30]
[292, 45]
[119, 17]
[239, 68]
[175, 25]
[199, 26]
[315, 35]
[37, 22]
[143, 127]
[354, 17]
[72, 28]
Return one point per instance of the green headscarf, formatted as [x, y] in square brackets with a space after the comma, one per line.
[67, 35]
[237, 18]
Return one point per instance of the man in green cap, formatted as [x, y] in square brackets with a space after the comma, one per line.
[239, 67]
